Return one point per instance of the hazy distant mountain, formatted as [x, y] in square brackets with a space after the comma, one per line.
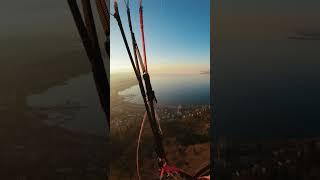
[205, 72]
[306, 36]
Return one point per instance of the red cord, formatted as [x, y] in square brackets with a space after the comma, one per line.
[172, 170]
[138, 145]
[142, 34]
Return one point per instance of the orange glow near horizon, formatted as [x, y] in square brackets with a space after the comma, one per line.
[166, 68]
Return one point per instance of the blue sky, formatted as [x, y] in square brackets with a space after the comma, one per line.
[176, 32]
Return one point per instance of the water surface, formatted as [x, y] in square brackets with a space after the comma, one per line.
[74, 105]
[174, 90]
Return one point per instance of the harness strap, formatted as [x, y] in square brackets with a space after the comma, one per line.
[89, 40]
[143, 67]
[149, 99]
[149, 106]
[105, 21]
[142, 34]
[104, 15]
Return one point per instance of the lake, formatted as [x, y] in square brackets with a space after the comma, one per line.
[174, 90]
[75, 104]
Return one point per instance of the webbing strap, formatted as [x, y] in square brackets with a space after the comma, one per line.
[89, 39]
[134, 43]
[104, 15]
[149, 106]
[142, 35]
[149, 98]
[143, 67]
[105, 21]
[117, 17]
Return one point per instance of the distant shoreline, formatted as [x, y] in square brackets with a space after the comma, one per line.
[128, 91]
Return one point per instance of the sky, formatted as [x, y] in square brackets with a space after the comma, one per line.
[176, 33]
[265, 84]
[265, 20]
